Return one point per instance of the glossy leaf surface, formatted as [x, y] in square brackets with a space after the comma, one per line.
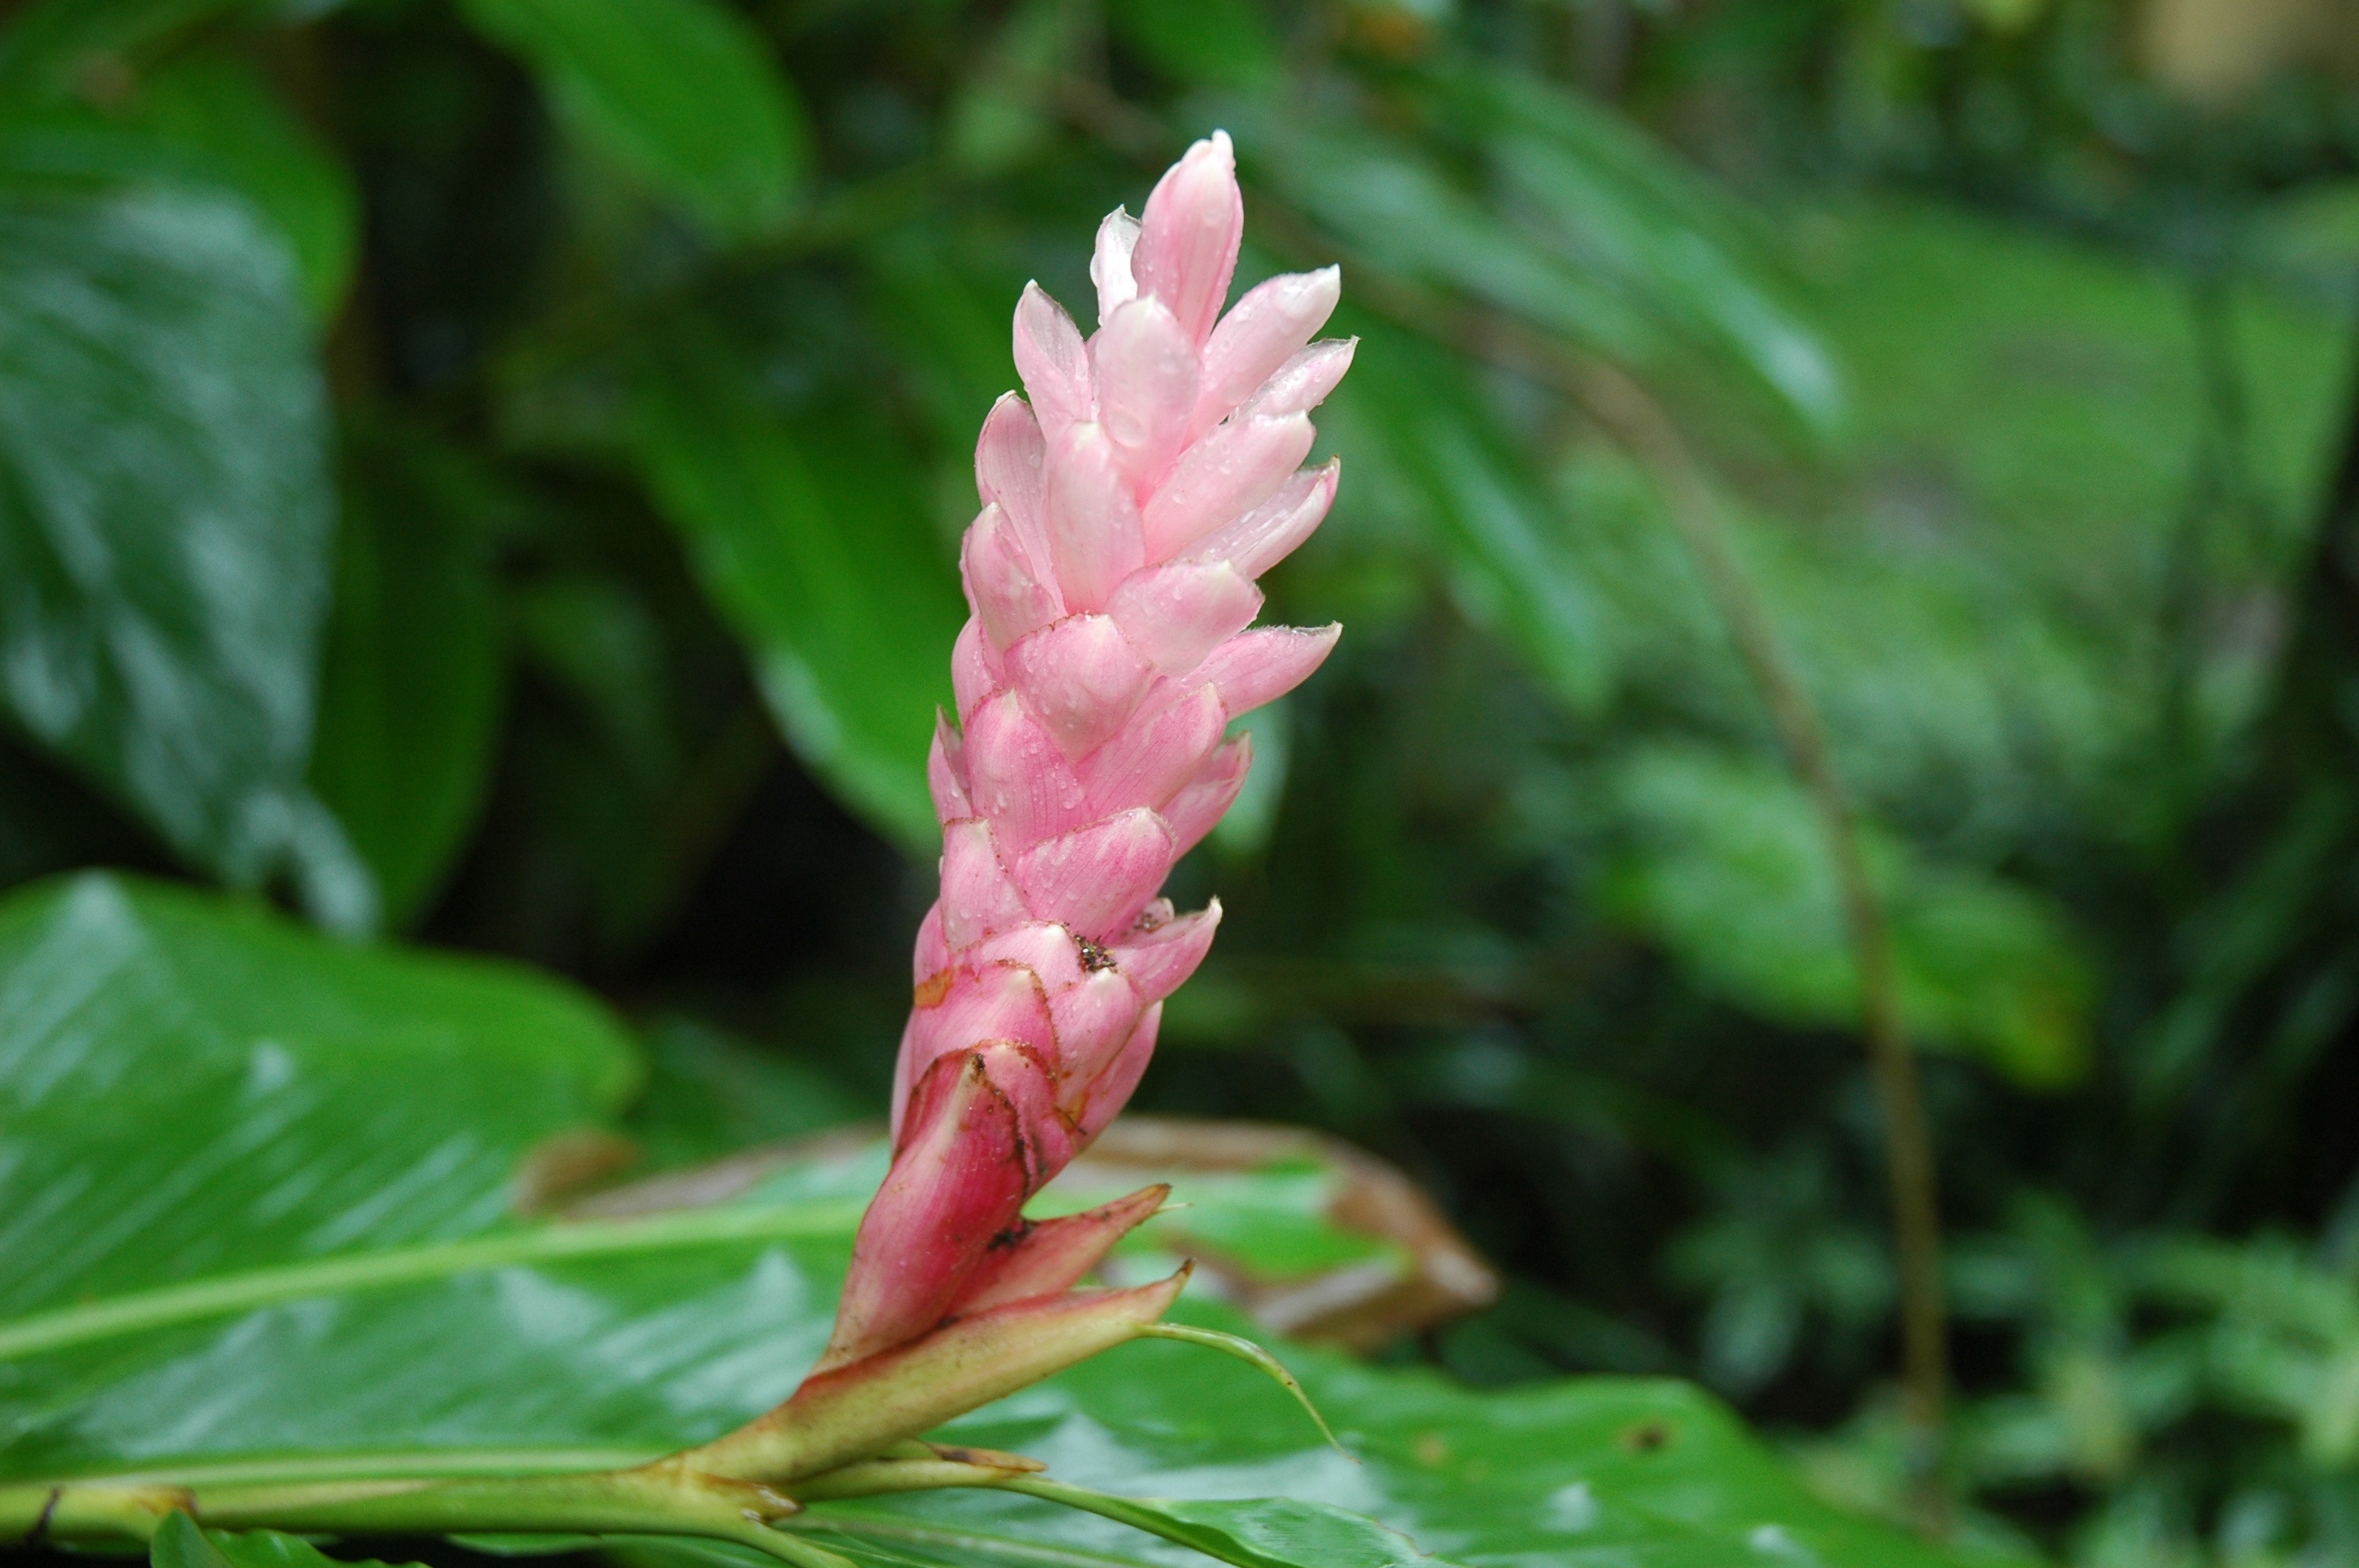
[191, 1087]
[680, 93]
[812, 539]
[165, 529]
[1730, 869]
[183, 1544]
[405, 724]
[663, 1329]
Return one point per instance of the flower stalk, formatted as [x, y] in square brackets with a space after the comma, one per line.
[1129, 501]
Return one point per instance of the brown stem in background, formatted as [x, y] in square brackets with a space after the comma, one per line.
[1632, 417]
[1640, 424]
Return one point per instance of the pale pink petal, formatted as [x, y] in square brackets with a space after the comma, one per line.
[1156, 961]
[989, 1001]
[1110, 264]
[1017, 776]
[975, 669]
[1303, 381]
[1097, 879]
[946, 771]
[1043, 947]
[1094, 526]
[933, 954]
[1228, 473]
[1204, 800]
[1009, 457]
[1052, 359]
[1269, 532]
[1189, 233]
[1092, 1019]
[1126, 509]
[1265, 663]
[904, 1073]
[1146, 371]
[1114, 1086]
[1268, 327]
[979, 895]
[1049, 1257]
[1080, 676]
[1005, 588]
[1148, 761]
[1178, 613]
[1048, 1139]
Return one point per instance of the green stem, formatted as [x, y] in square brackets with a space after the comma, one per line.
[663, 1499]
[1254, 1355]
[1914, 1188]
[230, 1294]
[666, 1497]
[384, 1464]
[1121, 1511]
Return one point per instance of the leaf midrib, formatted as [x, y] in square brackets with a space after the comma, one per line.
[222, 1296]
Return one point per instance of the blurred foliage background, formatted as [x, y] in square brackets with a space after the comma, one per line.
[488, 471]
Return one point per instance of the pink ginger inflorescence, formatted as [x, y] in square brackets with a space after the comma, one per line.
[1127, 509]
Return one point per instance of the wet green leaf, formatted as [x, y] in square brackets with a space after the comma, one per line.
[665, 1329]
[190, 1086]
[181, 1544]
[1005, 110]
[1211, 43]
[407, 717]
[55, 47]
[165, 516]
[1395, 206]
[711, 1094]
[1411, 427]
[812, 539]
[1628, 213]
[1730, 869]
[210, 120]
[681, 94]
[226, 119]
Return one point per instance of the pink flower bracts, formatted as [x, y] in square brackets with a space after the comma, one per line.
[1127, 509]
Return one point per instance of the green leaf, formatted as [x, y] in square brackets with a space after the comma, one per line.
[210, 120]
[406, 719]
[1398, 209]
[1413, 430]
[163, 521]
[189, 1086]
[606, 1342]
[681, 94]
[1730, 870]
[1259, 1532]
[2049, 394]
[313, 1144]
[1005, 108]
[181, 1544]
[54, 46]
[223, 116]
[812, 539]
[710, 1094]
[1212, 43]
[1628, 213]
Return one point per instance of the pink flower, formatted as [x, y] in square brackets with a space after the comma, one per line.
[1127, 509]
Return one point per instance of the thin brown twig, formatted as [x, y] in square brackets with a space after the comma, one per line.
[1636, 420]
[1628, 412]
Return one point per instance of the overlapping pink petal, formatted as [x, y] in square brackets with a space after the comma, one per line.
[1151, 473]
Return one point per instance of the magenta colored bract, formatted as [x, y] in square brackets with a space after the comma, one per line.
[1127, 509]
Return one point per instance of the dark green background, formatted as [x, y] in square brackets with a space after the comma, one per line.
[486, 474]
